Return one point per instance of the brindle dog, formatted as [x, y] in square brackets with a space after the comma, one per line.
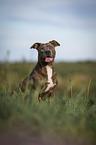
[43, 77]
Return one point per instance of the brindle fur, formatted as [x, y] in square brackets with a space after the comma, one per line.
[37, 80]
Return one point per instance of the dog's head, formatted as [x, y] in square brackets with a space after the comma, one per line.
[46, 52]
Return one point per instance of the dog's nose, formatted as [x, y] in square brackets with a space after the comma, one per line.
[48, 52]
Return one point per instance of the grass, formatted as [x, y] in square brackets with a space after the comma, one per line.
[71, 118]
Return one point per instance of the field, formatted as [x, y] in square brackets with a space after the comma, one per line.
[71, 120]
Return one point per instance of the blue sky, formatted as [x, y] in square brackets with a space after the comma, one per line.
[71, 22]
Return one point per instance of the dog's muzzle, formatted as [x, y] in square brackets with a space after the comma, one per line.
[49, 57]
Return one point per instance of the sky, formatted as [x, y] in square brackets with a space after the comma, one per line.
[70, 22]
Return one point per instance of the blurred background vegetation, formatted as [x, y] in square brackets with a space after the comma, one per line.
[71, 119]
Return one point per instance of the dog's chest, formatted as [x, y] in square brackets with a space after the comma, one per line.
[49, 78]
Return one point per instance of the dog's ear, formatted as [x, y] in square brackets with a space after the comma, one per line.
[54, 43]
[35, 46]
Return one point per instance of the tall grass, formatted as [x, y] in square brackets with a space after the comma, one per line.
[72, 117]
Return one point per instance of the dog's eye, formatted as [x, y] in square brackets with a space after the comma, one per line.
[41, 49]
[51, 47]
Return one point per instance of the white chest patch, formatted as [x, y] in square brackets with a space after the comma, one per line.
[49, 75]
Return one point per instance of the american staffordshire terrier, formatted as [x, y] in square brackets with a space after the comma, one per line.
[43, 77]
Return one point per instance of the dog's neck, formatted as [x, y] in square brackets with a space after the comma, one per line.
[51, 65]
[45, 70]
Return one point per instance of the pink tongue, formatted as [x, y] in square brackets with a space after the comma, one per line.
[48, 59]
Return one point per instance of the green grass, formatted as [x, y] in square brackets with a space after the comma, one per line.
[72, 117]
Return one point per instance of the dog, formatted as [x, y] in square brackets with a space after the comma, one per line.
[43, 77]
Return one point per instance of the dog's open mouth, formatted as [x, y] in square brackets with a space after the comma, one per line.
[48, 59]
